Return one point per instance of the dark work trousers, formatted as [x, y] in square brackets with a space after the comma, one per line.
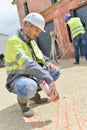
[77, 41]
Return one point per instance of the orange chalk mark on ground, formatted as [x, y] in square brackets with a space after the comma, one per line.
[57, 115]
[76, 115]
[67, 116]
[66, 112]
[34, 123]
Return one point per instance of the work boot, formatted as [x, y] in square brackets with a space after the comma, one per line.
[38, 99]
[27, 111]
[76, 62]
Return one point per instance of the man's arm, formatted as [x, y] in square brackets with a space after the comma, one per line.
[69, 33]
[83, 23]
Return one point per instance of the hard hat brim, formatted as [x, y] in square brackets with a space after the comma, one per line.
[43, 30]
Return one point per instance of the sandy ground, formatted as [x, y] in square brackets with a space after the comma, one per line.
[69, 114]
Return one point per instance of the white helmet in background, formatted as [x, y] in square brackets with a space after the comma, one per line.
[36, 19]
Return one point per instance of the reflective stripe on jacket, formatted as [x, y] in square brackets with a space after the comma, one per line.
[76, 27]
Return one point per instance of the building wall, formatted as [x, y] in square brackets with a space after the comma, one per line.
[55, 12]
[3, 39]
[33, 6]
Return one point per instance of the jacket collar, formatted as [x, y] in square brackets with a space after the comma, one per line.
[22, 36]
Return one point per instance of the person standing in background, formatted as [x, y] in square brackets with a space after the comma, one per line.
[76, 33]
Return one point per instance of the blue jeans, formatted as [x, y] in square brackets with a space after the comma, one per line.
[80, 40]
[26, 87]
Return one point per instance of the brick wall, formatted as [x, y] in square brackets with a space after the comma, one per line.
[55, 12]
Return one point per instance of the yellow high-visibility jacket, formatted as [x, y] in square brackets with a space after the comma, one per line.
[76, 26]
[17, 52]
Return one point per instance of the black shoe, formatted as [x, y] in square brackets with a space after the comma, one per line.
[76, 63]
[38, 99]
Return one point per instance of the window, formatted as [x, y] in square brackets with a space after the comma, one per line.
[26, 8]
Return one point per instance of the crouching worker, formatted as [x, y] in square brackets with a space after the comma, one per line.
[26, 66]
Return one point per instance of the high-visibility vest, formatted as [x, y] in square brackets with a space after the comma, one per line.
[37, 52]
[14, 47]
[76, 27]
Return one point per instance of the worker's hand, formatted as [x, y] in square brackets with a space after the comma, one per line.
[53, 91]
[51, 67]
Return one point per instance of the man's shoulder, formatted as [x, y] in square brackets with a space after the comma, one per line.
[13, 37]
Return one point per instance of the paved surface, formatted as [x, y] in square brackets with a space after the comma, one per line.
[69, 114]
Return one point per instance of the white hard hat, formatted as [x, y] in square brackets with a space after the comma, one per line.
[36, 19]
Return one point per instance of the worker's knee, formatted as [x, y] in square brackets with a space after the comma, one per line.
[25, 87]
[55, 74]
[29, 90]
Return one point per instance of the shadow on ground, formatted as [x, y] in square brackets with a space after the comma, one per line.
[69, 63]
[11, 119]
